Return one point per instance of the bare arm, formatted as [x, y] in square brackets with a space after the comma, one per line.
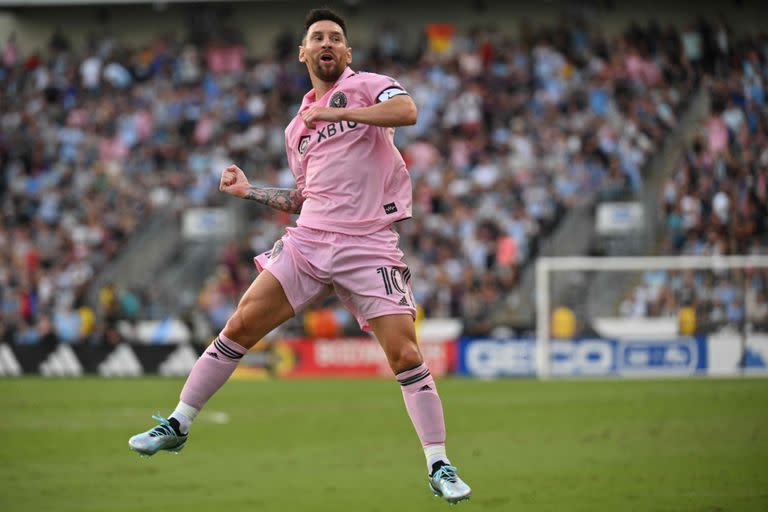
[234, 182]
[398, 111]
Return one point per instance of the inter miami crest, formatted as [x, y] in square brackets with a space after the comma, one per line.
[276, 250]
[303, 143]
[338, 100]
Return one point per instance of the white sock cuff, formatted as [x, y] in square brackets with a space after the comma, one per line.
[434, 453]
[187, 410]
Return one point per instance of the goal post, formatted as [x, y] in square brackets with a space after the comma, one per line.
[546, 267]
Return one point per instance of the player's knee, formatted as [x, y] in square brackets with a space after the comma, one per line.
[405, 357]
[252, 319]
[234, 328]
[238, 329]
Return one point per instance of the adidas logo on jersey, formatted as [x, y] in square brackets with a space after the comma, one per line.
[403, 301]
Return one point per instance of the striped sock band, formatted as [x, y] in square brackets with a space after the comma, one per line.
[413, 375]
[222, 347]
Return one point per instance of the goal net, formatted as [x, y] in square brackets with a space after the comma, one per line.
[654, 315]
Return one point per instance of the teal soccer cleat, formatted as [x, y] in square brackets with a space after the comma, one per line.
[162, 437]
[444, 482]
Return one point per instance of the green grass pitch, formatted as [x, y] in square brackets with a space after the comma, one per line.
[347, 445]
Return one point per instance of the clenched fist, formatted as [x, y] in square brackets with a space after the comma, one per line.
[313, 114]
[234, 182]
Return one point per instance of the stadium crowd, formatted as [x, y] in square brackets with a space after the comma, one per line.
[716, 200]
[511, 132]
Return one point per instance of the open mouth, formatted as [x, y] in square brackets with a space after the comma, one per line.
[326, 57]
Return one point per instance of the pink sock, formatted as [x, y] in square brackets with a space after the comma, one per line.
[211, 371]
[423, 404]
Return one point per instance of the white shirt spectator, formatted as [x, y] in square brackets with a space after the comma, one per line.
[691, 44]
[691, 207]
[117, 75]
[90, 72]
[720, 205]
[486, 174]
[733, 118]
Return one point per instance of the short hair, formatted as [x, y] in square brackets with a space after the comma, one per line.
[322, 14]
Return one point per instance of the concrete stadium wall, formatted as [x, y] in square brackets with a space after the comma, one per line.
[262, 21]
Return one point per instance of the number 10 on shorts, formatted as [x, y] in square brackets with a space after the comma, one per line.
[393, 277]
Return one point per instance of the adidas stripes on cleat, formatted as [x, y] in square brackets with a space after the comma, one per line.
[163, 437]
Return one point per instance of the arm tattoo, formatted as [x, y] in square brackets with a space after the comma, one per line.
[285, 199]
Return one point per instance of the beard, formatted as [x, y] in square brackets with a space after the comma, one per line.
[328, 74]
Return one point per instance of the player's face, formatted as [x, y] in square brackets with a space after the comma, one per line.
[325, 51]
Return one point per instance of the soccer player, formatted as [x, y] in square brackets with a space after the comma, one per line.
[352, 185]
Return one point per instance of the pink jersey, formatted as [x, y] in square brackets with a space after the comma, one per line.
[354, 179]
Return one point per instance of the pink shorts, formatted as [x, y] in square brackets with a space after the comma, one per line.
[366, 272]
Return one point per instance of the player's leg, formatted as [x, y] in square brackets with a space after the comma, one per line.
[263, 307]
[397, 335]
[371, 280]
[289, 280]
